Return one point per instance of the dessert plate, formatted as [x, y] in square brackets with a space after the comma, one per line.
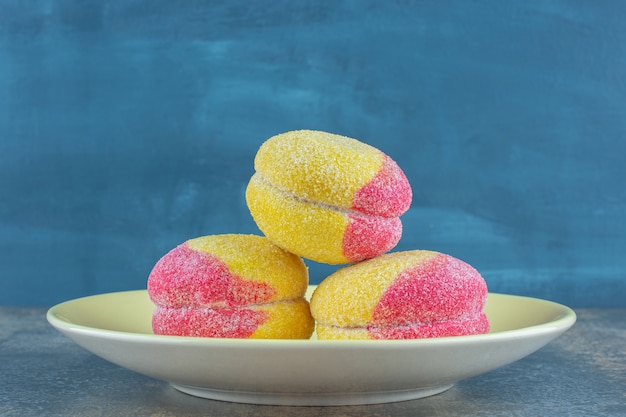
[117, 327]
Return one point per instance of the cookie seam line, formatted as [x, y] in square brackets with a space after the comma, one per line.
[339, 209]
[223, 306]
[370, 325]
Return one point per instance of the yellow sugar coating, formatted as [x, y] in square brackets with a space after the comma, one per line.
[342, 333]
[348, 297]
[255, 258]
[318, 166]
[310, 230]
[288, 320]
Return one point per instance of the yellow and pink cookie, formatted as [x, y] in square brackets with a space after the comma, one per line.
[401, 295]
[326, 197]
[230, 286]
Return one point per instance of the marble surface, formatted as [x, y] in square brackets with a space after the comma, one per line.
[582, 373]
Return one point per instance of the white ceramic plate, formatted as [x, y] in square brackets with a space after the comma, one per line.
[117, 327]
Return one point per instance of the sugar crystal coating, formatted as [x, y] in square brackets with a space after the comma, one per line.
[326, 197]
[305, 229]
[387, 194]
[187, 277]
[319, 232]
[438, 289]
[366, 237]
[278, 320]
[318, 166]
[401, 295]
[207, 322]
[230, 286]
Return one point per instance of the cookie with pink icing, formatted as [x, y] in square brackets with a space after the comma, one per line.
[326, 197]
[232, 286]
[401, 295]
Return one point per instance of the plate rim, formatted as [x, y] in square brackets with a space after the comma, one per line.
[226, 380]
[566, 319]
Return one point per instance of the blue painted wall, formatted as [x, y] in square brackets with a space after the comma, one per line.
[128, 127]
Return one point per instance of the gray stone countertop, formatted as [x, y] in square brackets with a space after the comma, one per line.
[581, 373]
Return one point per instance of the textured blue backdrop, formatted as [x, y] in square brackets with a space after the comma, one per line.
[127, 127]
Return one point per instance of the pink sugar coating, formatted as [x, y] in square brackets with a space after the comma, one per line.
[477, 324]
[207, 322]
[369, 236]
[440, 289]
[387, 194]
[185, 277]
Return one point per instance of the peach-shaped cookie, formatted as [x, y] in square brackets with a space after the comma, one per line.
[326, 197]
[401, 295]
[240, 286]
